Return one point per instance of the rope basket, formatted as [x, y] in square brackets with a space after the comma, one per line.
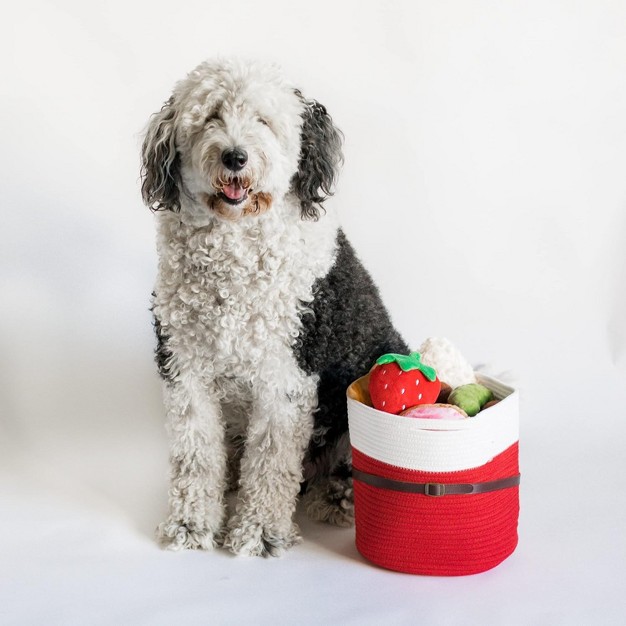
[435, 497]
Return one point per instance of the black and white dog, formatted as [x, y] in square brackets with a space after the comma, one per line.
[263, 313]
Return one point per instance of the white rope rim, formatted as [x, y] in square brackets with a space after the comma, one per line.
[437, 445]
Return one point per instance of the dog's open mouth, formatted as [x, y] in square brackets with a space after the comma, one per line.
[234, 197]
[234, 191]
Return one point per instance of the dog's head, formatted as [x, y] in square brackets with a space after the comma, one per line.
[234, 138]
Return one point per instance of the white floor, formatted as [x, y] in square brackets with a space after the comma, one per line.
[77, 548]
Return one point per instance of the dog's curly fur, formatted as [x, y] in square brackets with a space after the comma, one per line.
[263, 313]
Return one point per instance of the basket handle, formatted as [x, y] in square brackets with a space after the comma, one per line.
[435, 489]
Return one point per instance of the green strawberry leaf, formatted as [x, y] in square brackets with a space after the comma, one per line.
[407, 363]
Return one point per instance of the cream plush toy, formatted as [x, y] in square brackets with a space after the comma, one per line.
[451, 366]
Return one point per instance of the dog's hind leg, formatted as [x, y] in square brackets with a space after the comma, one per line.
[331, 500]
[198, 468]
[329, 496]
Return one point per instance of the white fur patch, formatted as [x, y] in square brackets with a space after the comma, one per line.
[229, 294]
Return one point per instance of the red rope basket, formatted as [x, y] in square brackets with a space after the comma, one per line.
[438, 534]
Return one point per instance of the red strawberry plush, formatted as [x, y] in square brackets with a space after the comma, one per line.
[398, 381]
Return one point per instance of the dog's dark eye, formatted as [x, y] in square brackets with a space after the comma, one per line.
[264, 122]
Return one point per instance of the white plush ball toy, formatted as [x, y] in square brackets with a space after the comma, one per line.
[452, 367]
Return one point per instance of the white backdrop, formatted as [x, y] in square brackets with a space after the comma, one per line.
[483, 187]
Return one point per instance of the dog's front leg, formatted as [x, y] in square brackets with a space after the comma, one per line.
[198, 468]
[271, 470]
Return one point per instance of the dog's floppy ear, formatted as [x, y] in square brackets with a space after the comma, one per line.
[320, 158]
[160, 162]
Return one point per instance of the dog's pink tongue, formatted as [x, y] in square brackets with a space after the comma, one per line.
[234, 191]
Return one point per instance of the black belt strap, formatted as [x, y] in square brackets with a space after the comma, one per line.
[435, 489]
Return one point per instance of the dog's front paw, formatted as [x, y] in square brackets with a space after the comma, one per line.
[174, 535]
[257, 539]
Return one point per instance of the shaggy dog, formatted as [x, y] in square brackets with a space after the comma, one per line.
[263, 313]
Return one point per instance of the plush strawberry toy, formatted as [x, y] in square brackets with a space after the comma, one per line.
[398, 382]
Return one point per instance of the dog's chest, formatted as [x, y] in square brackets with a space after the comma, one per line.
[230, 295]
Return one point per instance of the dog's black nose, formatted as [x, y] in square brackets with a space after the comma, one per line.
[234, 159]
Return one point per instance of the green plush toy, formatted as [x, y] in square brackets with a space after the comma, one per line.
[471, 398]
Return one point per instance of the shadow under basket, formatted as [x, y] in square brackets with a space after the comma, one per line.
[435, 497]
